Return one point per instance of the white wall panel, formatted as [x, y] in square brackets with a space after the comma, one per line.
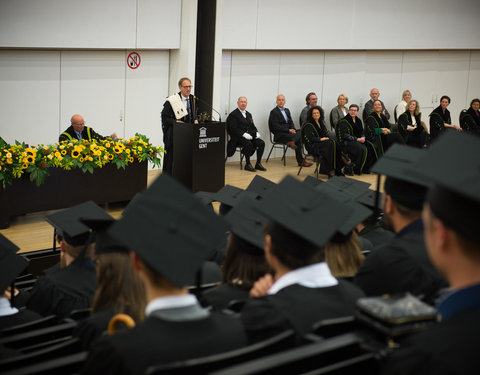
[473, 77]
[239, 29]
[146, 91]
[29, 92]
[93, 85]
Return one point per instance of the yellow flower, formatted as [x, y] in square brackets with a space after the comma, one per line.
[9, 155]
[9, 161]
[90, 158]
[50, 157]
[24, 153]
[0, 167]
[64, 152]
[81, 159]
[110, 157]
[97, 152]
[70, 144]
[106, 157]
[117, 150]
[139, 148]
[75, 153]
[30, 159]
[107, 144]
[130, 159]
[57, 154]
[62, 147]
[24, 166]
[127, 151]
[59, 157]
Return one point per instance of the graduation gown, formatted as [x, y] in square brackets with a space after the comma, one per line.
[220, 296]
[401, 265]
[159, 339]
[21, 317]
[362, 154]
[297, 307]
[87, 134]
[373, 133]
[90, 329]
[470, 121]
[417, 137]
[437, 120]
[377, 235]
[62, 290]
[329, 149]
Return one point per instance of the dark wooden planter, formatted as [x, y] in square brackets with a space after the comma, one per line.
[67, 188]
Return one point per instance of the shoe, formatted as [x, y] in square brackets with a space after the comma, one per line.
[339, 174]
[292, 145]
[248, 167]
[305, 164]
[348, 170]
[260, 167]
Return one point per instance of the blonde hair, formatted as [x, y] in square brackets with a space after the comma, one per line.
[345, 96]
[405, 92]
[417, 107]
[344, 258]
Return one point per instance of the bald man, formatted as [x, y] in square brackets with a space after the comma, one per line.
[78, 130]
[374, 95]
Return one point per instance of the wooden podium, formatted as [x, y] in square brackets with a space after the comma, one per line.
[199, 155]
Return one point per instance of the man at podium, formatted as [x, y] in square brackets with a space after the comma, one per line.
[181, 107]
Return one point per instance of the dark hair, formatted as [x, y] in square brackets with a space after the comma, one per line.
[310, 111]
[307, 98]
[119, 286]
[474, 101]
[244, 263]
[445, 97]
[292, 250]
[181, 80]
[354, 105]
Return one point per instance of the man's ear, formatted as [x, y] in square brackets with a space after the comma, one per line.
[388, 205]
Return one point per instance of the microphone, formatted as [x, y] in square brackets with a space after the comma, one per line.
[209, 106]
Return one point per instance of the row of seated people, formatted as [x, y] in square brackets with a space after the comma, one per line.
[293, 263]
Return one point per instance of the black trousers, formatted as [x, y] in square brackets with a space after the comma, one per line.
[250, 146]
[289, 137]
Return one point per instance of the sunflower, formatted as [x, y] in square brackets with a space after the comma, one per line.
[130, 159]
[30, 159]
[127, 151]
[117, 150]
[24, 166]
[110, 157]
[89, 158]
[75, 153]
[107, 144]
[80, 159]
[63, 152]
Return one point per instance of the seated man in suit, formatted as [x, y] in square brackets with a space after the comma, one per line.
[176, 327]
[78, 130]
[374, 95]
[244, 134]
[281, 125]
[302, 290]
[450, 215]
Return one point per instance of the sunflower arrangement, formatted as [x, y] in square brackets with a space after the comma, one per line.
[20, 158]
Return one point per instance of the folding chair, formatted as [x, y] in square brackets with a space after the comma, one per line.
[278, 145]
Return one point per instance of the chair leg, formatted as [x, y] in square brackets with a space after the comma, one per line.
[270, 153]
[284, 153]
[241, 159]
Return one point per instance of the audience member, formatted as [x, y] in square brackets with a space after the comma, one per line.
[78, 130]
[338, 112]
[450, 216]
[176, 326]
[470, 119]
[351, 137]
[243, 133]
[402, 106]
[302, 290]
[368, 109]
[177, 108]
[410, 126]
[316, 141]
[311, 100]
[440, 119]
[281, 125]
[378, 130]
[401, 265]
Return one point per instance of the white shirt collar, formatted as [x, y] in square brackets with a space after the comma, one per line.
[170, 302]
[243, 112]
[316, 275]
[5, 308]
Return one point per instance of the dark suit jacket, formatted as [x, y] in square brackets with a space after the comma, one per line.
[278, 126]
[237, 125]
[71, 132]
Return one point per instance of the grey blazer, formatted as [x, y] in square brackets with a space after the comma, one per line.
[336, 114]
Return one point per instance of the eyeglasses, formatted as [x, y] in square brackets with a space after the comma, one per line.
[187, 87]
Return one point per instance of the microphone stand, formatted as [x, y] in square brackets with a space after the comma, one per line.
[204, 102]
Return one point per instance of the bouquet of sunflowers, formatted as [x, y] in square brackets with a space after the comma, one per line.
[17, 159]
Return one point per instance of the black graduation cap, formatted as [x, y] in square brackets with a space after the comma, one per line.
[405, 188]
[104, 243]
[205, 197]
[452, 165]
[170, 230]
[11, 263]
[367, 198]
[359, 212]
[247, 223]
[312, 181]
[349, 186]
[260, 185]
[67, 222]
[313, 216]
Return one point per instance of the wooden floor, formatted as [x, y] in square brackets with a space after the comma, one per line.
[31, 232]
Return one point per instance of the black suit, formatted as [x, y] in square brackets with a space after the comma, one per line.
[281, 130]
[237, 125]
[168, 121]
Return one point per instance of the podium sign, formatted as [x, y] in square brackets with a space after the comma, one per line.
[199, 155]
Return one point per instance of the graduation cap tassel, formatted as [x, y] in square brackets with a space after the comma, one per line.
[377, 196]
[12, 294]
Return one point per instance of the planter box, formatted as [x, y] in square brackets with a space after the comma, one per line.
[64, 189]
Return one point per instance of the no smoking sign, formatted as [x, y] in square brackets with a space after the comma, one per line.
[133, 60]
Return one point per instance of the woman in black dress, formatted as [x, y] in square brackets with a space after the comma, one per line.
[470, 119]
[410, 126]
[440, 119]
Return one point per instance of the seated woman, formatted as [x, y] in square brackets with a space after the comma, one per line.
[340, 111]
[351, 137]
[402, 106]
[378, 130]
[316, 141]
[343, 255]
[470, 119]
[440, 119]
[410, 126]
[120, 290]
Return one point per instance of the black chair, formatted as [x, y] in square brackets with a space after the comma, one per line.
[328, 328]
[278, 145]
[344, 354]
[69, 364]
[237, 149]
[71, 346]
[47, 321]
[79, 314]
[217, 361]
[316, 159]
